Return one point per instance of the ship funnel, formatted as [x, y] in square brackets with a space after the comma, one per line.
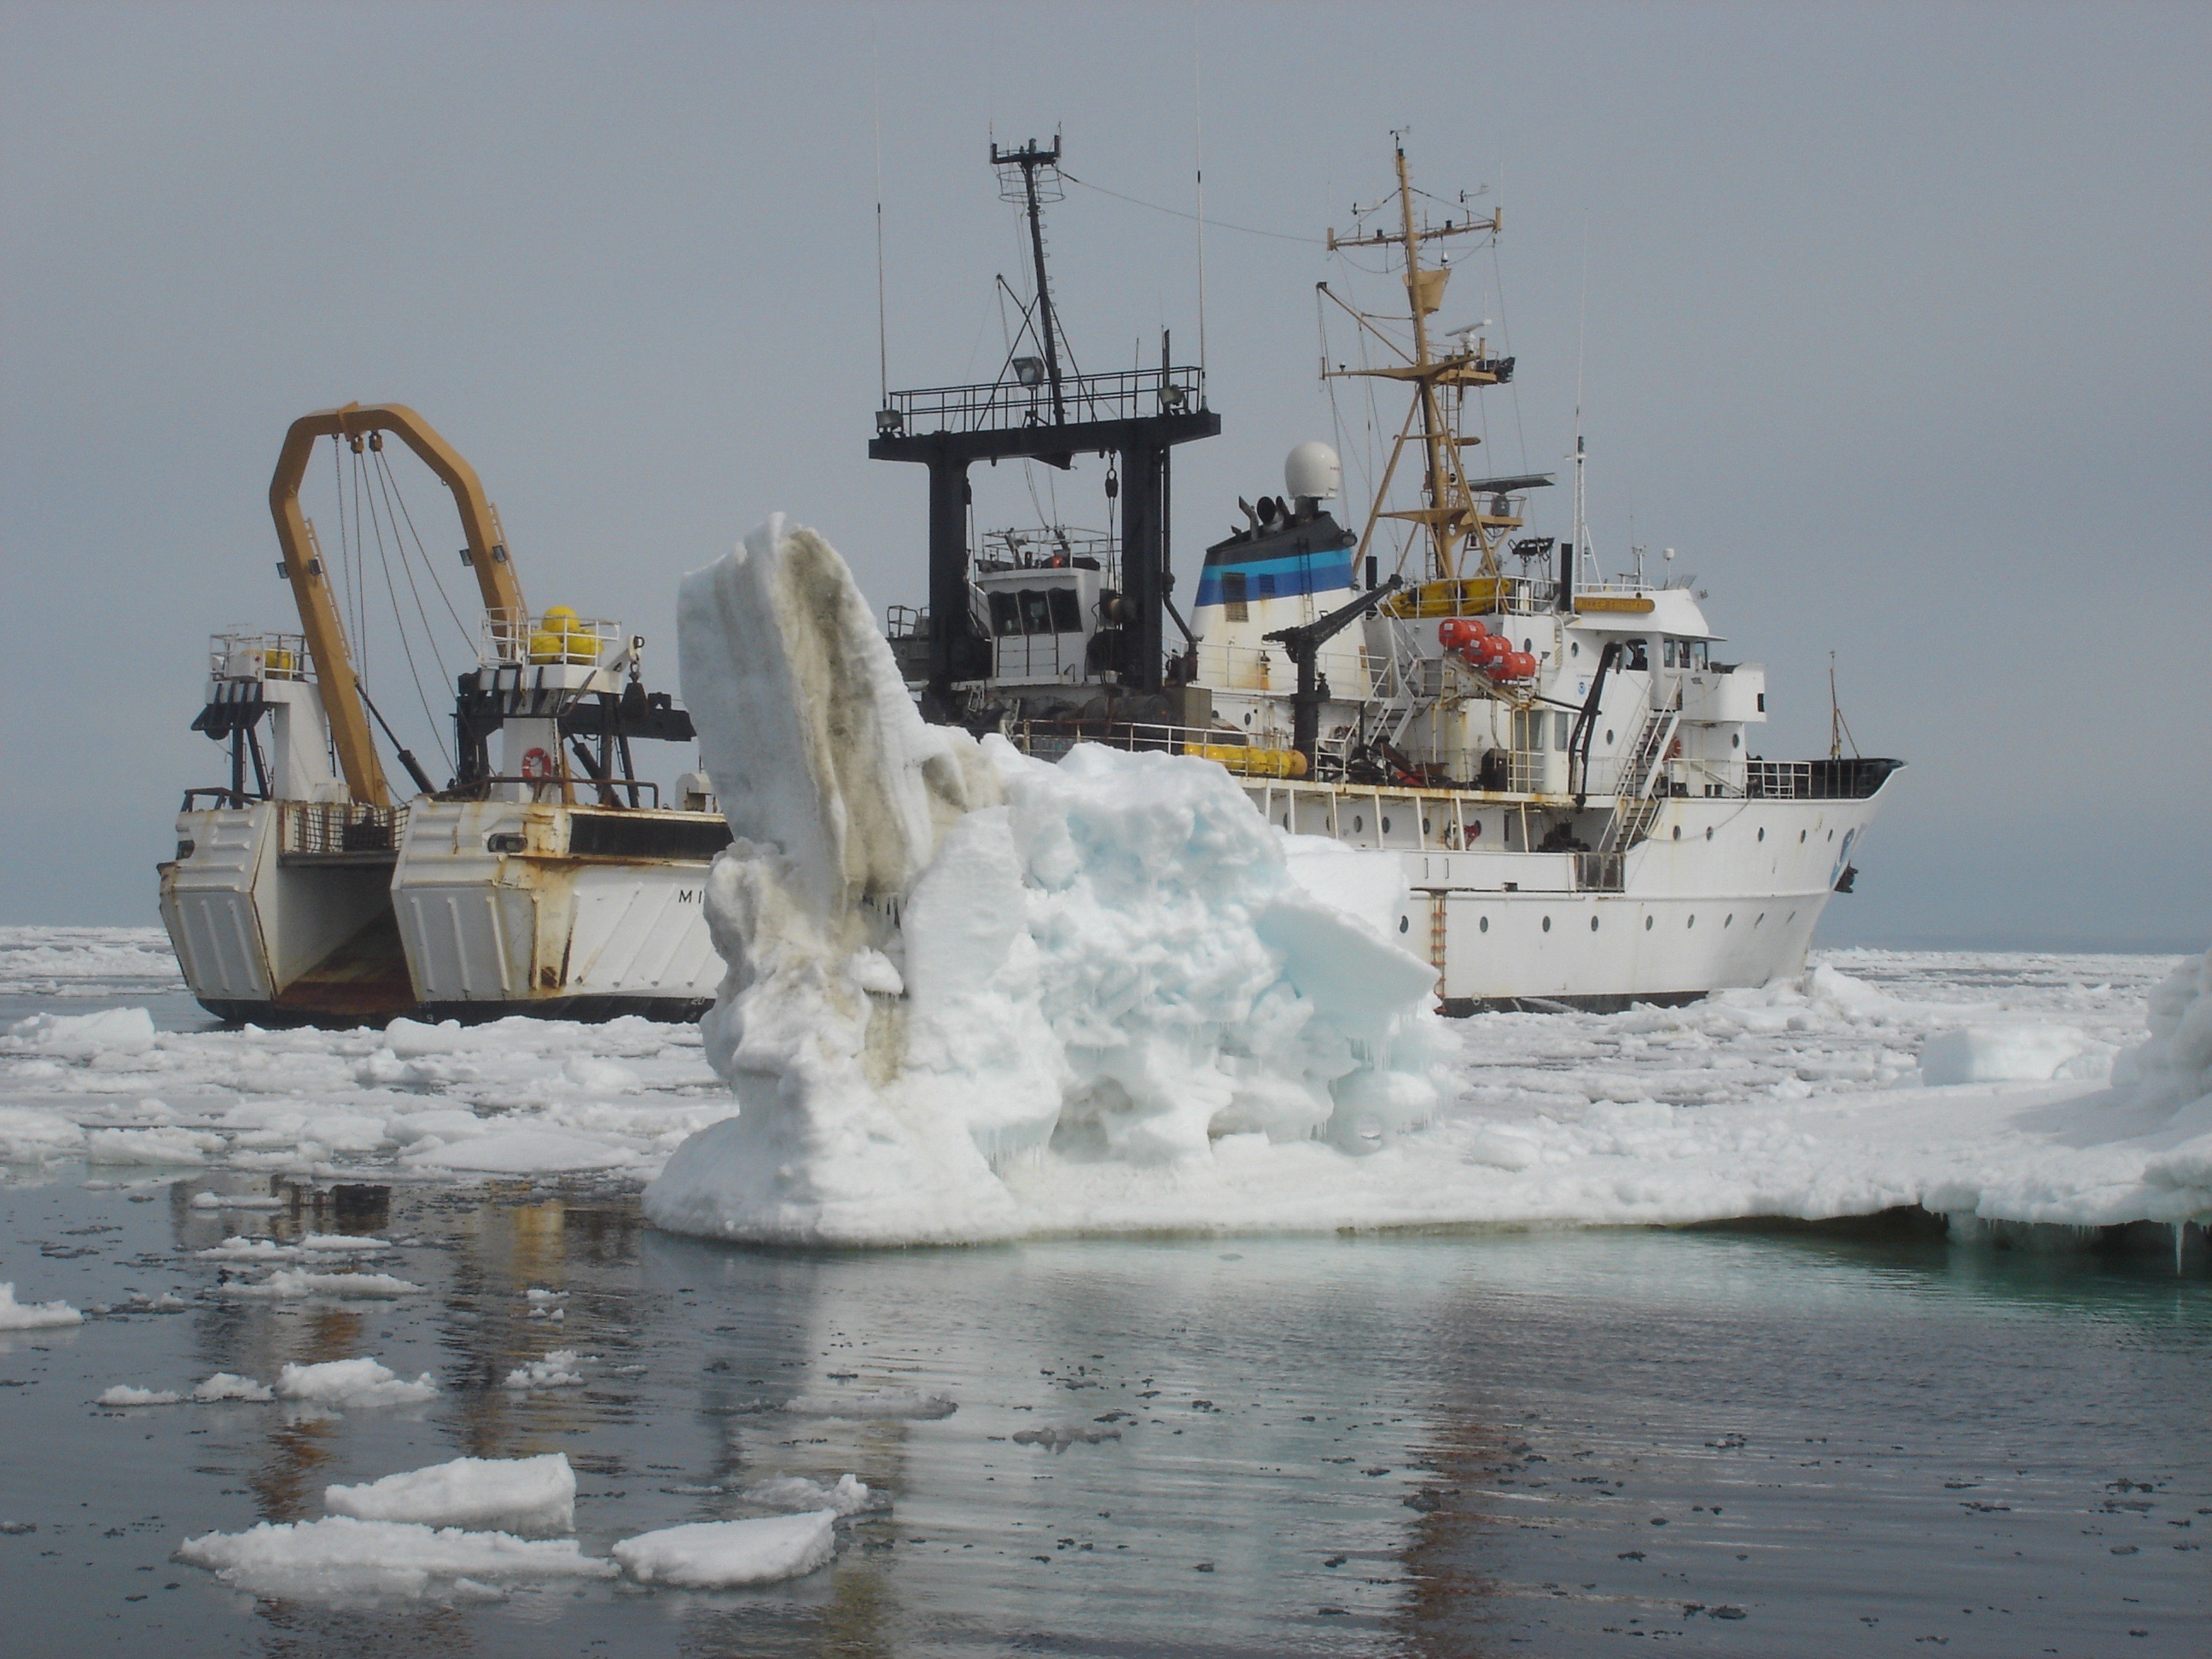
[1313, 473]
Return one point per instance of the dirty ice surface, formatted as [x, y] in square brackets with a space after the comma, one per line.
[1806, 1098]
[971, 995]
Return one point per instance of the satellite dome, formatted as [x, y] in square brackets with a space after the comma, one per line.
[1313, 473]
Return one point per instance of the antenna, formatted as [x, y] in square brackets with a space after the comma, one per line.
[1589, 562]
[1198, 160]
[1029, 162]
[883, 339]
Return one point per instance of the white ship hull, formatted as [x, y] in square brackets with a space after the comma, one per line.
[289, 912]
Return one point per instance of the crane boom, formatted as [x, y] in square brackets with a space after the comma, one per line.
[318, 612]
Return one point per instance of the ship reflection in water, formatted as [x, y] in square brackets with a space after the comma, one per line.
[1466, 1445]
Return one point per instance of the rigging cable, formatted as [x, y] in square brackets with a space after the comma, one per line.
[1218, 224]
[399, 621]
[390, 486]
[429, 565]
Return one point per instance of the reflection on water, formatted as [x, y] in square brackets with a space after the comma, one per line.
[1540, 1443]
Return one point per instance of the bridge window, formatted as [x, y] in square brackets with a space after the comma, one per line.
[1005, 615]
[1036, 611]
[1066, 614]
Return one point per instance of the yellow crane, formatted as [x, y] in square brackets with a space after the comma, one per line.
[319, 621]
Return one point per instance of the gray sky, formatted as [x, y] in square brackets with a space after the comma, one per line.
[1896, 328]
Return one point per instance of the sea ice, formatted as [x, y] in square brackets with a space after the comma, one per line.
[724, 1555]
[35, 1316]
[2011, 1054]
[123, 1394]
[557, 1370]
[911, 1403]
[1110, 954]
[339, 1558]
[349, 1382]
[109, 1032]
[535, 1494]
[850, 1496]
[523, 1151]
[227, 1385]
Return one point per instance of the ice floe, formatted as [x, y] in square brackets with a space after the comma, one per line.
[850, 1496]
[533, 1494]
[229, 1385]
[340, 1559]
[123, 1393]
[293, 1284]
[35, 1316]
[350, 1382]
[725, 1554]
[557, 1370]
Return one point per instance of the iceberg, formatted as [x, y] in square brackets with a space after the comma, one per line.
[949, 962]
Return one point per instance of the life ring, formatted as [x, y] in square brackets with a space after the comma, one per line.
[536, 765]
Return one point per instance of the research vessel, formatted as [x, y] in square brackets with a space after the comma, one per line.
[1563, 761]
[545, 877]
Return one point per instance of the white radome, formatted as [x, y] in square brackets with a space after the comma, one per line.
[1314, 472]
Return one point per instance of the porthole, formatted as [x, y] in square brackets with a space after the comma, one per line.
[1678, 832]
[1735, 740]
[1801, 837]
[1482, 924]
[1404, 922]
[1593, 924]
[1528, 646]
[1709, 832]
[1548, 924]
[1248, 717]
[1647, 924]
[1693, 921]
[1762, 833]
[1358, 824]
[1386, 826]
[1575, 648]
[1424, 826]
[1609, 736]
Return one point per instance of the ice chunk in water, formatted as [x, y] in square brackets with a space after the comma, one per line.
[352, 1383]
[339, 1559]
[723, 1554]
[537, 1494]
[32, 1317]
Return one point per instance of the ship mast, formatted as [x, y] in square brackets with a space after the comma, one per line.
[1450, 513]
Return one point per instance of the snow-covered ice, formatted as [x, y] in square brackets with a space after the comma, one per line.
[850, 1496]
[557, 1370]
[33, 1315]
[1110, 954]
[866, 1404]
[533, 1494]
[725, 1555]
[352, 1383]
[341, 1558]
[123, 1393]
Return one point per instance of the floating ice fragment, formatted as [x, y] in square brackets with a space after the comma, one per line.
[166, 1146]
[80, 1037]
[910, 1403]
[536, 1494]
[850, 1496]
[352, 1383]
[2010, 1053]
[32, 1317]
[523, 1151]
[227, 1385]
[123, 1394]
[339, 1559]
[723, 1554]
[557, 1370]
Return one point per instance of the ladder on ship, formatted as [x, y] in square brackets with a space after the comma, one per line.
[1635, 804]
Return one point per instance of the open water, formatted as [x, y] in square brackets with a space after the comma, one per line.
[1722, 1441]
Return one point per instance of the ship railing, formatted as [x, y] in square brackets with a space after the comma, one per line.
[1846, 778]
[1050, 740]
[1026, 400]
[258, 656]
[512, 638]
[340, 828]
